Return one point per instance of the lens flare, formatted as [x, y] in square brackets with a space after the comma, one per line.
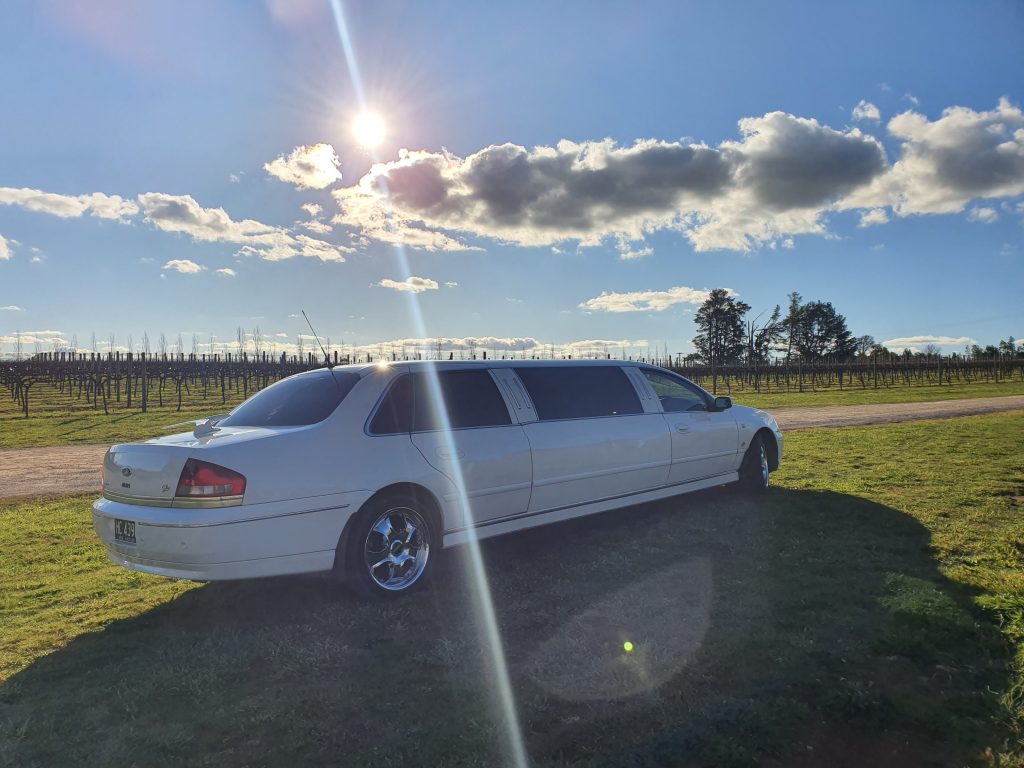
[627, 647]
[369, 129]
[370, 132]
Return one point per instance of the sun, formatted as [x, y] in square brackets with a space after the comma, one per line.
[368, 129]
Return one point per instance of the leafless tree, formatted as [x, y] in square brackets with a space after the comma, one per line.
[864, 345]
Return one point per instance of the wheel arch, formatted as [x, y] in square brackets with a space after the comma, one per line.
[771, 447]
[431, 507]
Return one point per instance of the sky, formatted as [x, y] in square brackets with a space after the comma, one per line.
[551, 176]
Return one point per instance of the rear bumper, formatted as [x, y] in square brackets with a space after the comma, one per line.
[247, 541]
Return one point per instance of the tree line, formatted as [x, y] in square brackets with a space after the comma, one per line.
[808, 331]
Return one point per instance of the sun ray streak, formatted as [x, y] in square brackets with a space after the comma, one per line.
[480, 585]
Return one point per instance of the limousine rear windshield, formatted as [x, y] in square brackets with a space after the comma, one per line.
[580, 392]
[294, 402]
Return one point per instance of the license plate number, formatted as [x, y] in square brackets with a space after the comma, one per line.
[124, 530]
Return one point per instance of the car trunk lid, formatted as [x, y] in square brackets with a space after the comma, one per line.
[143, 474]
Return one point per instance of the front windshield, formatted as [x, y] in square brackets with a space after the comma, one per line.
[297, 401]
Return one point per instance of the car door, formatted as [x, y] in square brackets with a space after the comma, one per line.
[705, 441]
[591, 439]
[462, 426]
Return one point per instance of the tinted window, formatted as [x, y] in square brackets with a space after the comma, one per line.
[395, 413]
[294, 402]
[579, 392]
[470, 397]
[674, 394]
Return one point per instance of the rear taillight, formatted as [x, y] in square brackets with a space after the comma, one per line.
[201, 479]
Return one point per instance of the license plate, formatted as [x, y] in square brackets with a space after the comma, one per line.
[124, 530]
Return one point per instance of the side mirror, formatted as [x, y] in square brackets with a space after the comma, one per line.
[721, 403]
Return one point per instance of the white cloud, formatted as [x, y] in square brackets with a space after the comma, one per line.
[628, 252]
[234, 178]
[775, 182]
[12, 308]
[69, 206]
[5, 249]
[312, 167]
[912, 98]
[983, 214]
[30, 339]
[226, 271]
[451, 284]
[185, 266]
[525, 345]
[946, 163]
[181, 213]
[411, 284]
[645, 301]
[914, 343]
[314, 225]
[459, 347]
[865, 110]
[872, 217]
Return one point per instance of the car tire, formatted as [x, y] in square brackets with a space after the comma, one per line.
[389, 548]
[754, 472]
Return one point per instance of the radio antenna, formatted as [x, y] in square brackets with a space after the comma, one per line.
[326, 356]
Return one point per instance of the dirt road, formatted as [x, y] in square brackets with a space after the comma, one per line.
[888, 413]
[76, 468]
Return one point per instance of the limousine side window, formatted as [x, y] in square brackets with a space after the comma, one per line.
[395, 413]
[674, 395]
[470, 397]
[580, 392]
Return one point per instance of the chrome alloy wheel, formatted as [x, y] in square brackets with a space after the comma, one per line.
[396, 548]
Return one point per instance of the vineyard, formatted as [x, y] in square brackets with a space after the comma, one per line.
[126, 382]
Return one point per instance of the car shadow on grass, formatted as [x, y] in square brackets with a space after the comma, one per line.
[801, 628]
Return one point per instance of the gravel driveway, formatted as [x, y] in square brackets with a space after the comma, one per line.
[76, 468]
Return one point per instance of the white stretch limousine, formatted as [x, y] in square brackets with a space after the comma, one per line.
[367, 469]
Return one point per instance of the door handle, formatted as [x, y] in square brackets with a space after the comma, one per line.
[449, 454]
[682, 428]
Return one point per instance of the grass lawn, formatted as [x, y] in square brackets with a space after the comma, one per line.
[61, 419]
[57, 418]
[836, 396]
[869, 611]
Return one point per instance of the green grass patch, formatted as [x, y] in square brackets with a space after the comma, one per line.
[867, 611]
[63, 418]
[857, 396]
